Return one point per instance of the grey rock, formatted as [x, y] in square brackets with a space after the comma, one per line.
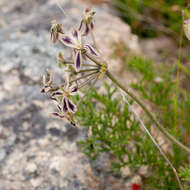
[41, 152]
[2, 154]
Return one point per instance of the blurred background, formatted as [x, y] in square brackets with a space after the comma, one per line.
[147, 50]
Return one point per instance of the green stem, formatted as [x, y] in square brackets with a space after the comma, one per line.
[86, 70]
[155, 143]
[173, 139]
[177, 79]
[89, 65]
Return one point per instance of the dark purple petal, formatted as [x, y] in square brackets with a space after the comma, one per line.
[43, 90]
[52, 98]
[67, 40]
[58, 115]
[92, 50]
[59, 107]
[91, 25]
[78, 60]
[57, 94]
[86, 30]
[75, 34]
[71, 105]
[72, 123]
[65, 108]
[74, 89]
[55, 114]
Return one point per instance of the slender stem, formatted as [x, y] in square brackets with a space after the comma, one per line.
[89, 65]
[155, 143]
[71, 63]
[178, 78]
[82, 77]
[87, 81]
[68, 62]
[157, 124]
[90, 87]
[173, 139]
[86, 70]
[64, 62]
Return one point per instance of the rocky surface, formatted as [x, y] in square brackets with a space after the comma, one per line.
[37, 151]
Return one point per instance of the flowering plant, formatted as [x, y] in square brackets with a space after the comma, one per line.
[79, 73]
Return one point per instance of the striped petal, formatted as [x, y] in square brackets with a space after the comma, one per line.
[52, 98]
[74, 89]
[92, 25]
[57, 94]
[68, 41]
[71, 106]
[91, 50]
[65, 108]
[75, 34]
[78, 60]
[58, 115]
[55, 114]
[86, 31]
[59, 107]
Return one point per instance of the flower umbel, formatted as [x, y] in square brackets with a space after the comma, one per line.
[87, 21]
[94, 70]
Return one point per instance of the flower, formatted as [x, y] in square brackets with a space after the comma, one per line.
[74, 41]
[135, 186]
[87, 21]
[62, 97]
[47, 82]
[55, 30]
